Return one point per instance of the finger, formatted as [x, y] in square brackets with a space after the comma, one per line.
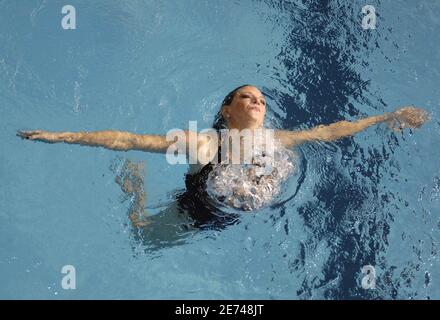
[33, 132]
[398, 129]
[23, 134]
[33, 136]
[29, 135]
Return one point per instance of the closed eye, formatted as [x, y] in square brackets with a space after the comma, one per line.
[246, 96]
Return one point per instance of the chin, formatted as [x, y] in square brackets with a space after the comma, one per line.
[256, 118]
[255, 115]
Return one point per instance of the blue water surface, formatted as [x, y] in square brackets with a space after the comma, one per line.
[149, 66]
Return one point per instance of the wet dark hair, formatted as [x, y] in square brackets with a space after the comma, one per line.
[219, 121]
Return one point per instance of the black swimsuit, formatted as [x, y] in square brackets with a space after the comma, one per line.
[196, 201]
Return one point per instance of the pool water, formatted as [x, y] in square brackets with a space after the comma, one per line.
[149, 66]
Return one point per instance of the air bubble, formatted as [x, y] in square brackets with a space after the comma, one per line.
[252, 186]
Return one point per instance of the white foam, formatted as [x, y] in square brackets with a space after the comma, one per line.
[252, 186]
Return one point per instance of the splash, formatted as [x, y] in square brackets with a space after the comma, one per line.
[252, 186]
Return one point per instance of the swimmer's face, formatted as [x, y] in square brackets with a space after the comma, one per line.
[247, 109]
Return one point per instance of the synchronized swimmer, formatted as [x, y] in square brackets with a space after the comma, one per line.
[244, 187]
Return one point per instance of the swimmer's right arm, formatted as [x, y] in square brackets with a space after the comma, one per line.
[109, 139]
[125, 141]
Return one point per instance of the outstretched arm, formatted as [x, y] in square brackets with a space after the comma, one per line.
[109, 139]
[408, 117]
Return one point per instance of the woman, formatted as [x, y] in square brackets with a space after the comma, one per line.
[243, 108]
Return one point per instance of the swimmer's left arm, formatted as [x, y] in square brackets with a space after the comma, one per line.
[408, 117]
[327, 133]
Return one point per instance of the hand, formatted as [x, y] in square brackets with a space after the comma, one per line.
[407, 117]
[38, 135]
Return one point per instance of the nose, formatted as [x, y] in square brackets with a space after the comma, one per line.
[255, 100]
